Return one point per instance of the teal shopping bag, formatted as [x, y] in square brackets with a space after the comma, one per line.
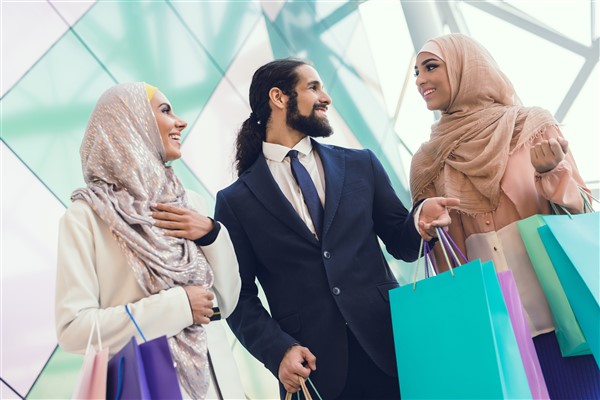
[571, 339]
[454, 339]
[572, 242]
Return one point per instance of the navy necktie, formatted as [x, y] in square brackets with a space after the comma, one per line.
[309, 191]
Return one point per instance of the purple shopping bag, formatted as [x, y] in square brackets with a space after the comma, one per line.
[144, 371]
[160, 369]
[126, 378]
[533, 371]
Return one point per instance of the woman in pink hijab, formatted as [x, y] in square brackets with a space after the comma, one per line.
[505, 162]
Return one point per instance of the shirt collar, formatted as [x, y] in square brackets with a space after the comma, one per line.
[277, 152]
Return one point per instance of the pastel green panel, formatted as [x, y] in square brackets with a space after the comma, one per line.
[323, 40]
[295, 27]
[147, 41]
[220, 27]
[58, 378]
[44, 116]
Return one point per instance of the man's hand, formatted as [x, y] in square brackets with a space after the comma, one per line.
[200, 303]
[546, 154]
[434, 214]
[181, 222]
[292, 366]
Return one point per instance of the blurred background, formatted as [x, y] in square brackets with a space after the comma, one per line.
[57, 57]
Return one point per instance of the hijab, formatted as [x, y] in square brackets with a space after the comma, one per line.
[123, 161]
[469, 146]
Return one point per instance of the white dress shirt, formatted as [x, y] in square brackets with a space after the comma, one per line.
[279, 165]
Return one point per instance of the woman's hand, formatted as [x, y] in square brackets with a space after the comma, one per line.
[181, 222]
[546, 154]
[200, 303]
[434, 214]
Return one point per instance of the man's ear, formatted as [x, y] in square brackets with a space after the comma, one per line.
[278, 98]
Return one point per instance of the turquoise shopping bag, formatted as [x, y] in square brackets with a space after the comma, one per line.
[572, 242]
[454, 339]
[571, 339]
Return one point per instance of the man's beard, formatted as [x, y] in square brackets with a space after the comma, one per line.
[310, 126]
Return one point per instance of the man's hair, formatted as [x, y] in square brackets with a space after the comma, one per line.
[280, 73]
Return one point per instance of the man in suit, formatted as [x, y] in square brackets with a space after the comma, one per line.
[320, 265]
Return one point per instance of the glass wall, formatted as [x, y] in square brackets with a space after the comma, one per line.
[58, 57]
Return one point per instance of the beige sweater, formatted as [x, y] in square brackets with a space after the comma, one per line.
[95, 281]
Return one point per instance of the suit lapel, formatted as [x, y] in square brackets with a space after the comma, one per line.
[260, 181]
[334, 167]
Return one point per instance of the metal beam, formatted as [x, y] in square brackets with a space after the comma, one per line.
[423, 21]
[526, 22]
[575, 89]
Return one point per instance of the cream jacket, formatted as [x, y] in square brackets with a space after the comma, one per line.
[95, 281]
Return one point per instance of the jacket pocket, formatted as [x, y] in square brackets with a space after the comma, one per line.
[290, 324]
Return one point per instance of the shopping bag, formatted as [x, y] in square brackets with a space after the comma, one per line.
[571, 339]
[91, 383]
[456, 324]
[572, 242]
[126, 375]
[144, 371]
[511, 294]
[531, 363]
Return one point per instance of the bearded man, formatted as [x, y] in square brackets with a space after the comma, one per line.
[305, 219]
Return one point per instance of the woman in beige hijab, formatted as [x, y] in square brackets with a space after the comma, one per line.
[133, 236]
[505, 162]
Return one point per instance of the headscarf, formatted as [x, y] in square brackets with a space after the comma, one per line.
[469, 146]
[123, 160]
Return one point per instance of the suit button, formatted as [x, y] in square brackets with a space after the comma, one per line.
[327, 255]
[336, 290]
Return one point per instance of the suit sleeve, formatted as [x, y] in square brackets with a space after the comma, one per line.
[250, 322]
[394, 224]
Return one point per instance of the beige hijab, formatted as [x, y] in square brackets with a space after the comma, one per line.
[123, 161]
[469, 146]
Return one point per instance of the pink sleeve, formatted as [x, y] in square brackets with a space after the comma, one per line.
[561, 184]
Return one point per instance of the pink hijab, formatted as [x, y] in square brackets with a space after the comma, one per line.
[469, 146]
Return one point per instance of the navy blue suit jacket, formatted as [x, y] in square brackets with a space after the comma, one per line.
[314, 288]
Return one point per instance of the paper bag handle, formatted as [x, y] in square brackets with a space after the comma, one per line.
[304, 388]
[135, 323]
[96, 327]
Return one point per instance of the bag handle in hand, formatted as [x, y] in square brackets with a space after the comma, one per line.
[446, 240]
[586, 196]
[303, 388]
[425, 252]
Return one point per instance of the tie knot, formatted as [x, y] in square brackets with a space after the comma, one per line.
[293, 154]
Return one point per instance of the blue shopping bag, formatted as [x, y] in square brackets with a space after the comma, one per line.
[457, 324]
[572, 242]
